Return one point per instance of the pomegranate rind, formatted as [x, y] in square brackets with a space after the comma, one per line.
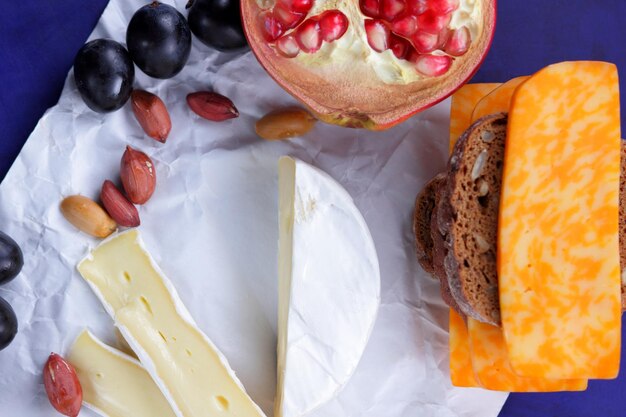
[350, 104]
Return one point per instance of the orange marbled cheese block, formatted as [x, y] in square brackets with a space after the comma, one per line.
[558, 255]
[492, 368]
[498, 100]
[462, 106]
[461, 372]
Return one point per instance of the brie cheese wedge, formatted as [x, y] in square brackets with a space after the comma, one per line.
[329, 288]
[114, 384]
[189, 370]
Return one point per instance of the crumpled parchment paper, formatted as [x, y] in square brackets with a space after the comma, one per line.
[212, 227]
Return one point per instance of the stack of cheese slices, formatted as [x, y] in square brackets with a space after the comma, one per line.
[523, 230]
[329, 292]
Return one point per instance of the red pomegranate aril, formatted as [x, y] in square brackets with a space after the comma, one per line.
[298, 6]
[443, 6]
[308, 36]
[400, 47]
[432, 22]
[425, 42]
[287, 18]
[377, 35]
[333, 24]
[433, 65]
[390, 9]
[287, 46]
[404, 26]
[370, 8]
[272, 28]
[458, 42]
[417, 7]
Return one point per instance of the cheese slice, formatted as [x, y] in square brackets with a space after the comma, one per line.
[492, 368]
[329, 288]
[461, 371]
[558, 255]
[498, 100]
[190, 371]
[113, 383]
[463, 103]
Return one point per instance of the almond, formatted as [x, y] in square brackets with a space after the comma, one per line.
[284, 124]
[138, 175]
[212, 106]
[151, 114]
[118, 206]
[87, 216]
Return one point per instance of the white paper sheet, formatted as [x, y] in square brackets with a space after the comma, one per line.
[212, 226]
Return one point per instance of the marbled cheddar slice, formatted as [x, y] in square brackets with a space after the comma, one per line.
[461, 372]
[558, 259]
[498, 100]
[463, 103]
[492, 368]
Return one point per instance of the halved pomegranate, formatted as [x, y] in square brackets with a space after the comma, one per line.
[369, 63]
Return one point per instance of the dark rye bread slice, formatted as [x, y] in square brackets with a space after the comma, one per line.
[439, 253]
[428, 241]
[424, 205]
[468, 217]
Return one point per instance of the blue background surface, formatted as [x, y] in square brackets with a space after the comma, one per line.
[38, 41]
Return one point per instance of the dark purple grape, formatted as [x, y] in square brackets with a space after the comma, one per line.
[217, 23]
[159, 40]
[104, 75]
[8, 324]
[11, 259]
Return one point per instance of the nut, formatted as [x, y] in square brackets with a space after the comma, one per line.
[62, 386]
[138, 175]
[479, 164]
[212, 106]
[151, 114]
[87, 216]
[118, 206]
[284, 124]
[483, 188]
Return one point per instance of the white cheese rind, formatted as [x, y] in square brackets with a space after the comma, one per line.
[186, 366]
[329, 288]
[114, 384]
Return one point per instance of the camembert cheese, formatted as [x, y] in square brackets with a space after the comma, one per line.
[329, 288]
[114, 384]
[190, 371]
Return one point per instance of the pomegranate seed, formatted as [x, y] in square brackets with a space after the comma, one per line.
[377, 35]
[425, 42]
[400, 47]
[390, 9]
[432, 22]
[412, 55]
[444, 35]
[287, 46]
[308, 36]
[417, 7]
[333, 24]
[298, 6]
[370, 8]
[405, 26]
[287, 18]
[272, 28]
[443, 6]
[459, 41]
[433, 65]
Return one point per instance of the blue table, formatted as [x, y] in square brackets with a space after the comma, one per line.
[38, 41]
